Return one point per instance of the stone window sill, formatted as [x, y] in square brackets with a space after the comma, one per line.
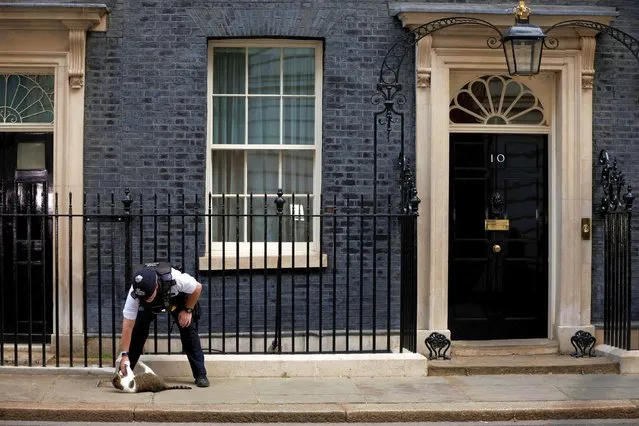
[298, 260]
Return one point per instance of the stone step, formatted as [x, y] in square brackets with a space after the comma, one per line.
[302, 365]
[465, 348]
[268, 365]
[521, 364]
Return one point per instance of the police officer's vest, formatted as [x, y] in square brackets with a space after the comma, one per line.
[162, 302]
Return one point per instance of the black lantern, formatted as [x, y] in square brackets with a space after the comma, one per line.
[523, 44]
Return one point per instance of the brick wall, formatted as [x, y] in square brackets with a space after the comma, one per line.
[146, 93]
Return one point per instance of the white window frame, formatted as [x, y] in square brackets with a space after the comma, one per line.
[217, 250]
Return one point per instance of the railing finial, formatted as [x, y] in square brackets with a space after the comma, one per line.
[279, 202]
[127, 200]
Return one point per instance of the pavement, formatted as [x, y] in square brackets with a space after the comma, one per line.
[86, 394]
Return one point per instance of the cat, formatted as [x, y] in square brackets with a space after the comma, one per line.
[143, 382]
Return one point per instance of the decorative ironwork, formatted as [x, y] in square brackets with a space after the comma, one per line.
[437, 345]
[389, 73]
[584, 343]
[390, 97]
[616, 211]
[409, 201]
[612, 182]
[127, 200]
[626, 39]
[26, 98]
[497, 203]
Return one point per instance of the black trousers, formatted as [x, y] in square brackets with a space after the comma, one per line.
[189, 337]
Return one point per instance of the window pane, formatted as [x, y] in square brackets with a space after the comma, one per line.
[297, 172]
[228, 172]
[263, 225]
[263, 168]
[298, 219]
[264, 121]
[264, 71]
[26, 98]
[226, 220]
[228, 120]
[31, 155]
[299, 71]
[229, 70]
[299, 121]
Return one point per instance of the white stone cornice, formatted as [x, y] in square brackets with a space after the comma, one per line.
[91, 17]
[70, 21]
[414, 14]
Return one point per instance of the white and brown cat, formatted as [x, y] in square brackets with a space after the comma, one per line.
[143, 382]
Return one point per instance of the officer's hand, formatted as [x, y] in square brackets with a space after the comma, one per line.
[184, 319]
[123, 365]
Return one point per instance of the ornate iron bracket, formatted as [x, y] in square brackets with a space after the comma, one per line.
[389, 73]
[410, 201]
[612, 182]
[390, 97]
[584, 343]
[626, 39]
[437, 345]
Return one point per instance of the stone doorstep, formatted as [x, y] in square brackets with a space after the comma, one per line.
[504, 347]
[522, 364]
[516, 356]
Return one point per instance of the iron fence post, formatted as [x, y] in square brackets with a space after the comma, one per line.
[127, 200]
[277, 342]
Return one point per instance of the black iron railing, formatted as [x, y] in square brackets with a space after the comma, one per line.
[616, 210]
[281, 273]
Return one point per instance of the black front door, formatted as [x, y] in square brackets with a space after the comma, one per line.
[498, 242]
[25, 246]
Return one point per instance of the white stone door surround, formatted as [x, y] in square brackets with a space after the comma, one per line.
[445, 61]
[38, 38]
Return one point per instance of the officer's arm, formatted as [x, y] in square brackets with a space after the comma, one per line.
[192, 298]
[185, 317]
[125, 341]
[127, 330]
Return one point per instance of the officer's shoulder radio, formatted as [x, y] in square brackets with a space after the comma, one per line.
[162, 304]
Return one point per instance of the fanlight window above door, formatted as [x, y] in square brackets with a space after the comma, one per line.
[496, 100]
[26, 98]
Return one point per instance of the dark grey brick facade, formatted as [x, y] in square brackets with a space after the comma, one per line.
[145, 109]
[146, 113]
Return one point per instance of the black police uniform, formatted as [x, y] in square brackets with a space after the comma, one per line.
[167, 303]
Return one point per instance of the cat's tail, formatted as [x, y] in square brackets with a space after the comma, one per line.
[178, 387]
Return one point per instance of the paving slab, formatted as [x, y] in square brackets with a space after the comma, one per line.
[90, 397]
[515, 393]
[399, 390]
[601, 393]
[221, 391]
[26, 388]
[305, 386]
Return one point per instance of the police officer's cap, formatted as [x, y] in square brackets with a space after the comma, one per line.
[144, 282]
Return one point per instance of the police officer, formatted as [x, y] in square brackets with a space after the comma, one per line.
[145, 298]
